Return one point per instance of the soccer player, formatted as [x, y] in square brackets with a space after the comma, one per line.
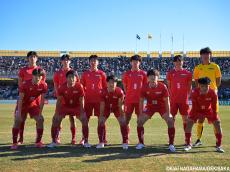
[204, 105]
[25, 74]
[133, 80]
[31, 100]
[212, 71]
[157, 96]
[179, 85]
[70, 102]
[111, 102]
[93, 81]
[59, 79]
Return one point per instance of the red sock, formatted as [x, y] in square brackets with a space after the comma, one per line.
[104, 134]
[73, 132]
[85, 132]
[39, 135]
[15, 132]
[185, 125]
[140, 133]
[218, 139]
[21, 131]
[124, 134]
[188, 138]
[171, 134]
[100, 132]
[54, 133]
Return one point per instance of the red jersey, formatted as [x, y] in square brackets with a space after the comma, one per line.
[204, 102]
[60, 78]
[32, 93]
[111, 99]
[70, 95]
[93, 82]
[133, 82]
[155, 95]
[25, 73]
[179, 88]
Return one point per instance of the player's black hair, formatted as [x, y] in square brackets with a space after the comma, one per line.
[93, 57]
[178, 58]
[111, 77]
[32, 53]
[38, 72]
[204, 81]
[71, 72]
[205, 50]
[153, 72]
[136, 57]
[65, 56]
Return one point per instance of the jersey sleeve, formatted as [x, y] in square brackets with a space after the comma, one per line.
[145, 79]
[217, 71]
[104, 83]
[121, 94]
[165, 91]
[125, 80]
[81, 91]
[55, 78]
[22, 88]
[196, 73]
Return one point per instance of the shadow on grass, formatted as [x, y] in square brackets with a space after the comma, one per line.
[113, 152]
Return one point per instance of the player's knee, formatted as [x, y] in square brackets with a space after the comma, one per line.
[40, 119]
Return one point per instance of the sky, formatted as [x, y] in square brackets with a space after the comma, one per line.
[106, 25]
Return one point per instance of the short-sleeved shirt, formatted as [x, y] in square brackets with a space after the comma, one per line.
[212, 71]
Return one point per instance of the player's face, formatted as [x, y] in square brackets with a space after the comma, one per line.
[37, 78]
[135, 64]
[203, 88]
[71, 80]
[152, 78]
[205, 58]
[178, 64]
[111, 84]
[93, 63]
[32, 60]
[65, 63]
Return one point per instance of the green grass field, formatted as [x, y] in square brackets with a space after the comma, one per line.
[155, 157]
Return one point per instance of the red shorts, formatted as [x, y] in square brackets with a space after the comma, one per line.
[33, 111]
[182, 107]
[150, 111]
[202, 115]
[129, 108]
[116, 112]
[89, 107]
[69, 111]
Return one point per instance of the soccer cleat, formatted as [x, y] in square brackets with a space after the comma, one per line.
[52, 145]
[172, 148]
[198, 143]
[14, 146]
[100, 145]
[82, 141]
[219, 149]
[73, 142]
[188, 148]
[87, 145]
[39, 145]
[140, 146]
[125, 146]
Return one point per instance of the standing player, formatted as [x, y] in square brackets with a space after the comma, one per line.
[93, 81]
[25, 74]
[59, 79]
[212, 71]
[70, 102]
[133, 80]
[31, 100]
[157, 96]
[111, 102]
[204, 105]
[179, 84]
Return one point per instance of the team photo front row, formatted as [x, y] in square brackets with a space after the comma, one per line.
[98, 95]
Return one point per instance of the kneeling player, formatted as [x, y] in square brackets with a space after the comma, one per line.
[69, 102]
[204, 105]
[31, 100]
[111, 102]
[157, 97]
